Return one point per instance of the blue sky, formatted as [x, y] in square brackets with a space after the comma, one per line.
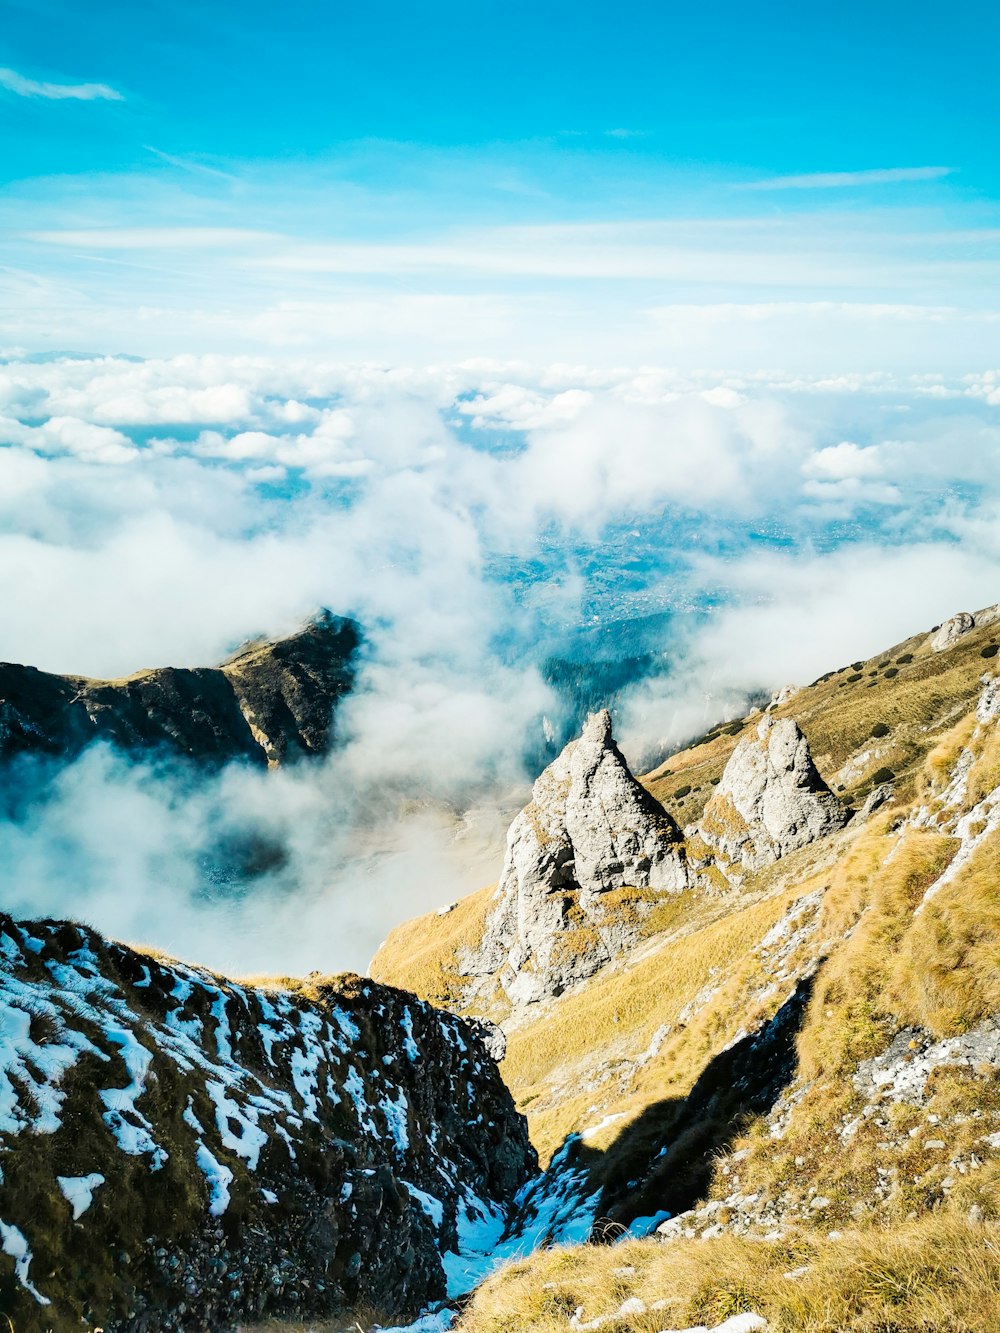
[554, 180]
[778, 88]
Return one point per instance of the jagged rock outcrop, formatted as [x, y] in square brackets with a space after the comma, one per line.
[270, 702]
[951, 631]
[876, 798]
[769, 801]
[783, 695]
[988, 704]
[590, 828]
[182, 1152]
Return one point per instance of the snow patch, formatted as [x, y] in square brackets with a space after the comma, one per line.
[78, 1191]
[219, 1179]
[13, 1243]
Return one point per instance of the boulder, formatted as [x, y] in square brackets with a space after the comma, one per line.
[783, 695]
[951, 631]
[589, 828]
[769, 801]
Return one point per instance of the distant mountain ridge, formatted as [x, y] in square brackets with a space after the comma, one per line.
[271, 702]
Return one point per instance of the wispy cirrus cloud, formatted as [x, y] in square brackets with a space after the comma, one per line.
[190, 164]
[58, 92]
[152, 238]
[836, 180]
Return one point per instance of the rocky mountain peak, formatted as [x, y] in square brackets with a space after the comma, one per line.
[769, 801]
[590, 828]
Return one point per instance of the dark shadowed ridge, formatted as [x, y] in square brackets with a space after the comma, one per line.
[271, 702]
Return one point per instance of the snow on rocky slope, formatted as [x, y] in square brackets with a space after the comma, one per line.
[179, 1151]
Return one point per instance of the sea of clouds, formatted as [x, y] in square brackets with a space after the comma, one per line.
[474, 518]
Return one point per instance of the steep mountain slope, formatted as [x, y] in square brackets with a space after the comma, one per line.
[271, 702]
[792, 1069]
[180, 1152]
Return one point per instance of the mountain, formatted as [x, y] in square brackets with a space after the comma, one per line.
[749, 1016]
[180, 1151]
[273, 701]
[776, 1076]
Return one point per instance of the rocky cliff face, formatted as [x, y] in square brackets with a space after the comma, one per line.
[181, 1152]
[770, 800]
[589, 829]
[271, 702]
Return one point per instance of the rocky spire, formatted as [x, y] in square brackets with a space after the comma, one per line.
[769, 801]
[589, 828]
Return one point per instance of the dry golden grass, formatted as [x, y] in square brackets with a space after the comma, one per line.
[941, 760]
[421, 955]
[582, 1049]
[698, 767]
[984, 776]
[946, 976]
[873, 894]
[937, 1275]
[916, 699]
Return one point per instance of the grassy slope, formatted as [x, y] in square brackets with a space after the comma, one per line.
[918, 694]
[920, 1254]
[695, 940]
[935, 1275]
[637, 1036]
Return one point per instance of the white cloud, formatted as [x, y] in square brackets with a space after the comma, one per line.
[848, 493]
[464, 513]
[515, 405]
[153, 238]
[795, 616]
[78, 92]
[845, 460]
[836, 180]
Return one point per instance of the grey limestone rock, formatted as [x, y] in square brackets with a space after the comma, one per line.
[988, 706]
[951, 631]
[589, 828]
[770, 800]
[783, 695]
[901, 1072]
[875, 799]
